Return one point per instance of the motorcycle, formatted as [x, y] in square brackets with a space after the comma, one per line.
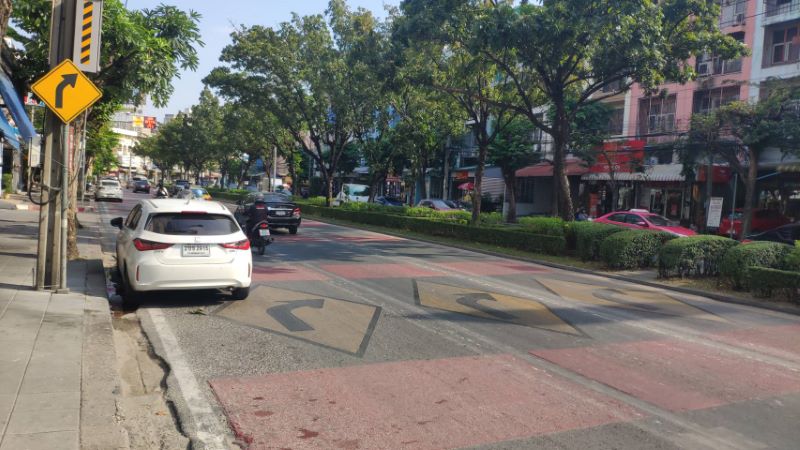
[162, 193]
[260, 237]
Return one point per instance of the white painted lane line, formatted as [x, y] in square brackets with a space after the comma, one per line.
[208, 431]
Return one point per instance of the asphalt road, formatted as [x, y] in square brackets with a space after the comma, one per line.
[352, 339]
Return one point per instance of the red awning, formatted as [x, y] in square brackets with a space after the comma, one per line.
[574, 167]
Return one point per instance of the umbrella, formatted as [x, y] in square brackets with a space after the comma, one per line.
[468, 186]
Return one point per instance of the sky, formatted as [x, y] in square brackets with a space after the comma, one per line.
[219, 18]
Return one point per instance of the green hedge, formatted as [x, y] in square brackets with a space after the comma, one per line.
[633, 248]
[766, 282]
[587, 237]
[739, 259]
[792, 259]
[6, 183]
[503, 237]
[693, 256]
[551, 226]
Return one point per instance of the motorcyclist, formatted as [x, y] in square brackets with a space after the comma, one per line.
[256, 212]
[161, 191]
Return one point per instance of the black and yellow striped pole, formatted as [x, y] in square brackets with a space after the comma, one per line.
[88, 15]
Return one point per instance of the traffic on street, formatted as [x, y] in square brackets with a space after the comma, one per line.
[356, 339]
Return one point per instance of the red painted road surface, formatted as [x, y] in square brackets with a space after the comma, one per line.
[437, 404]
[364, 271]
[677, 375]
[778, 341]
[286, 273]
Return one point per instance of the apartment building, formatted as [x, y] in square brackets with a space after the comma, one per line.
[648, 173]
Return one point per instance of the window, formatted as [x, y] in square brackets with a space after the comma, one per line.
[192, 224]
[133, 218]
[775, 7]
[732, 12]
[657, 115]
[617, 218]
[616, 119]
[525, 189]
[782, 45]
[707, 101]
[708, 64]
[633, 219]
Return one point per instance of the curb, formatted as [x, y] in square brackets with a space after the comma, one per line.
[678, 289]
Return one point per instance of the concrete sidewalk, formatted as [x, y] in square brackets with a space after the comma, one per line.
[57, 362]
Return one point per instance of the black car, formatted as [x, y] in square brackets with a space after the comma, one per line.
[388, 201]
[281, 211]
[786, 234]
[141, 186]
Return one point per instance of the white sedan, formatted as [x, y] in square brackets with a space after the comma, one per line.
[169, 244]
[108, 190]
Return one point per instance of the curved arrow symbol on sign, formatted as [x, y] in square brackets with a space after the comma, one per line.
[283, 313]
[68, 80]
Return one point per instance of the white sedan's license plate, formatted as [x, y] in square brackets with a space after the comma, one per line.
[263, 232]
[192, 250]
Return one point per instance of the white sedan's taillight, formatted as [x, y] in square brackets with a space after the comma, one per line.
[241, 245]
[143, 245]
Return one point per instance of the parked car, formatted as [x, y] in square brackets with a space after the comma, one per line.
[131, 184]
[281, 211]
[356, 192]
[786, 234]
[141, 186]
[170, 244]
[642, 220]
[388, 201]
[108, 190]
[763, 220]
[194, 192]
[436, 204]
[178, 185]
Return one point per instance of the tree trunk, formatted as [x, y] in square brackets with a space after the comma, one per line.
[478, 188]
[72, 194]
[423, 191]
[749, 194]
[510, 177]
[328, 187]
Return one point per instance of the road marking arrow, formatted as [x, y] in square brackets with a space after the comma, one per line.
[283, 313]
[69, 79]
[491, 306]
[333, 323]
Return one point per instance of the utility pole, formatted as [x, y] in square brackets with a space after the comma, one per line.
[51, 262]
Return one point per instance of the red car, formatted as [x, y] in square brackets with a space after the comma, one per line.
[763, 220]
[643, 220]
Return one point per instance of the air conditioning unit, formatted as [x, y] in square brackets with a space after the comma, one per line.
[739, 19]
[704, 68]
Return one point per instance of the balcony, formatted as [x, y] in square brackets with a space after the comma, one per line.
[776, 11]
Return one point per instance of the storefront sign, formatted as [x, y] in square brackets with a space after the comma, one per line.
[714, 212]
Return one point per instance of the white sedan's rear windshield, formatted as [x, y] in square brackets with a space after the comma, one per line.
[110, 183]
[192, 224]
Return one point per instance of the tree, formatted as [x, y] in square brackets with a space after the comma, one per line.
[300, 72]
[567, 53]
[512, 150]
[142, 52]
[742, 131]
[201, 133]
[440, 58]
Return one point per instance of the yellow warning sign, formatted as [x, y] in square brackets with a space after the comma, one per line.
[633, 299]
[66, 91]
[490, 305]
[339, 324]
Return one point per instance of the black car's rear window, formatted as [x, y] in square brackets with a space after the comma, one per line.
[192, 224]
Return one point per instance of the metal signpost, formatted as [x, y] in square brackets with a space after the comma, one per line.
[75, 27]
